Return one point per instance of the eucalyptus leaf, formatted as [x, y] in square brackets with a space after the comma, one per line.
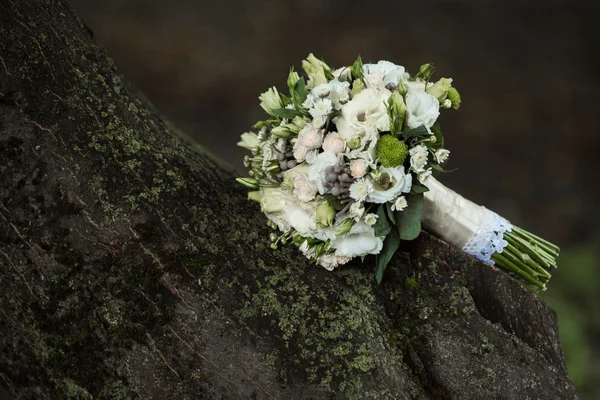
[418, 188]
[419, 131]
[382, 226]
[390, 245]
[409, 219]
[390, 213]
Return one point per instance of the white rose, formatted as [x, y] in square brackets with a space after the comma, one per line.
[418, 157]
[310, 137]
[316, 172]
[360, 241]
[330, 261]
[396, 182]
[363, 115]
[304, 189]
[334, 143]
[421, 109]
[358, 167]
[300, 151]
[382, 73]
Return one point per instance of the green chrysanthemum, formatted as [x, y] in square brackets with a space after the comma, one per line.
[391, 152]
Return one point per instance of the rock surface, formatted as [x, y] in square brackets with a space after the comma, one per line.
[133, 267]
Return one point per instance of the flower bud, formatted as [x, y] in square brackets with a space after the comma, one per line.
[440, 89]
[249, 141]
[358, 167]
[354, 143]
[325, 214]
[292, 79]
[248, 182]
[402, 89]
[299, 122]
[397, 110]
[344, 227]
[425, 71]
[270, 100]
[281, 131]
[254, 196]
[315, 69]
[271, 202]
[454, 98]
[357, 87]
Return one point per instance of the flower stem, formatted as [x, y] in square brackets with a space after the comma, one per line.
[529, 257]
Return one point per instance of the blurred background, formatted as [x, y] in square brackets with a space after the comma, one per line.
[526, 141]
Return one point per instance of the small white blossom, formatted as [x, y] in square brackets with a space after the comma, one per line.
[304, 189]
[318, 122]
[321, 108]
[371, 219]
[360, 189]
[418, 157]
[442, 155]
[309, 102]
[447, 103]
[423, 175]
[334, 143]
[321, 91]
[342, 74]
[399, 204]
[356, 210]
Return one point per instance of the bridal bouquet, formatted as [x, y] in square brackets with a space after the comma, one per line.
[344, 167]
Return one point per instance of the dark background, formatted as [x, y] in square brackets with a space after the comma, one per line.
[525, 142]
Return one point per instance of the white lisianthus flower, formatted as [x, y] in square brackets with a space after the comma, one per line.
[418, 157]
[358, 167]
[334, 143]
[371, 219]
[288, 212]
[310, 137]
[421, 109]
[360, 189]
[362, 116]
[360, 241]
[304, 189]
[309, 102]
[423, 175]
[356, 210]
[321, 108]
[331, 261]
[442, 155]
[249, 141]
[399, 204]
[342, 74]
[339, 93]
[316, 172]
[415, 86]
[380, 74]
[388, 184]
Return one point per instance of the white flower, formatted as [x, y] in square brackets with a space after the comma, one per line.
[442, 155]
[423, 175]
[415, 86]
[421, 109]
[318, 122]
[447, 103]
[356, 210]
[418, 157]
[360, 241]
[371, 218]
[331, 261]
[249, 141]
[342, 74]
[334, 143]
[288, 212]
[316, 172]
[321, 108]
[363, 116]
[399, 204]
[311, 156]
[339, 93]
[320, 91]
[382, 73]
[304, 189]
[309, 102]
[310, 137]
[389, 183]
[360, 189]
[300, 151]
[358, 167]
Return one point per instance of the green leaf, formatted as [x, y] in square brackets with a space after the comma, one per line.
[390, 213]
[390, 245]
[419, 131]
[300, 89]
[418, 188]
[287, 113]
[439, 137]
[382, 226]
[357, 69]
[409, 220]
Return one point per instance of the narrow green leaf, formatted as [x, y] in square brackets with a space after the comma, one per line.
[287, 113]
[357, 69]
[300, 88]
[382, 226]
[390, 245]
[390, 213]
[439, 137]
[409, 220]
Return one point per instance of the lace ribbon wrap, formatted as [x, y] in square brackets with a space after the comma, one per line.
[462, 223]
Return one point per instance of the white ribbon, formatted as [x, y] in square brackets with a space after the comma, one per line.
[462, 223]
